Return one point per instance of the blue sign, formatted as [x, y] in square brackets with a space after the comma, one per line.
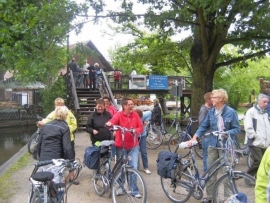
[158, 82]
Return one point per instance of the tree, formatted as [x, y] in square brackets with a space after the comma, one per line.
[33, 36]
[212, 23]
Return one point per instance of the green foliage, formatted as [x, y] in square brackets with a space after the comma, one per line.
[239, 82]
[51, 93]
[33, 36]
[82, 52]
[212, 25]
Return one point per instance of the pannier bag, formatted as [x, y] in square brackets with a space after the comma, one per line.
[166, 164]
[91, 157]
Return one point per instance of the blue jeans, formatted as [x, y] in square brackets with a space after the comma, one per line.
[134, 154]
[142, 144]
[205, 144]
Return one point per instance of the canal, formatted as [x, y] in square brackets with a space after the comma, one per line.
[12, 139]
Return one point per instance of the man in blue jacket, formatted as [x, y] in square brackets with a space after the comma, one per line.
[219, 118]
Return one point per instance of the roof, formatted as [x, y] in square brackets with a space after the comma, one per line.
[101, 60]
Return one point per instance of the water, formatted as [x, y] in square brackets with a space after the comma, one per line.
[12, 139]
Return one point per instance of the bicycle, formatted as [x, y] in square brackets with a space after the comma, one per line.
[184, 184]
[185, 135]
[33, 141]
[242, 150]
[156, 135]
[45, 187]
[122, 181]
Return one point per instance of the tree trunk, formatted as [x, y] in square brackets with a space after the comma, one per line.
[2, 91]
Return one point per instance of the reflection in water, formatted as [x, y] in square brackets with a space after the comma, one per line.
[12, 139]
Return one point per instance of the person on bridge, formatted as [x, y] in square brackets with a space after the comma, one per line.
[220, 118]
[71, 122]
[202, 114]
[128, 119]
[92, 77]
[117, 74]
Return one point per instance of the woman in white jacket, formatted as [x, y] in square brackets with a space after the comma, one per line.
[257, 127]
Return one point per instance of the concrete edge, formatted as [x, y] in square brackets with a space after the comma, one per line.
[9, 163]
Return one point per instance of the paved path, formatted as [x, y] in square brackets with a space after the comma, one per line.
[84, 193]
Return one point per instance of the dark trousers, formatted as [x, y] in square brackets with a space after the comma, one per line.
[92, 83]
[117, 83]
[256, 155]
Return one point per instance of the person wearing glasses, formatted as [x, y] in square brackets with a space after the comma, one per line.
[219, 118]
[129, 119]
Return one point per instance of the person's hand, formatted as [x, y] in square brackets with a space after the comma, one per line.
[40, 123]
[95, 132]
[145, 123]
[114, 133]
[108, 124]
[194, 138]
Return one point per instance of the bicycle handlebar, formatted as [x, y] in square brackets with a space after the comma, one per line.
[216, 133]
[118, 127]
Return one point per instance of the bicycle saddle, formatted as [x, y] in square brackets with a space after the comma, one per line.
[43, 176]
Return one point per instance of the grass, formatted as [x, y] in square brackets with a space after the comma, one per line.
[6, 182]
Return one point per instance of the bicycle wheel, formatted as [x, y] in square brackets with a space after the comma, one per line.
[199, 150]
[32, 142]
[128, 186]
[249, 160]
[99, 181]
[176, 189]
[223, 190]
[174, 142]
[151, 138]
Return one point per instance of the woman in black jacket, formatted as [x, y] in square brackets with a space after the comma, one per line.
[96, 123]
[55, 138]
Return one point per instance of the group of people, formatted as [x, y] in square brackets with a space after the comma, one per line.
[88, 75]
[216, 115]
[106, 115]
[57, 138]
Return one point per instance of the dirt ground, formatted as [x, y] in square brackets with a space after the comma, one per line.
[84, 192]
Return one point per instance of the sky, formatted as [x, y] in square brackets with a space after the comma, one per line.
[94, 32]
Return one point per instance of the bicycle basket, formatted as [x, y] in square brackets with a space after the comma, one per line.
[91, 157]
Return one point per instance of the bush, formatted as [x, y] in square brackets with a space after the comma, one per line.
[51, 93]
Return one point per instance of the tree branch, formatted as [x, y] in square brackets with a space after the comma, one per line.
[242, 58]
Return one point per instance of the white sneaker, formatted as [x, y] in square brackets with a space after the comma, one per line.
[119, 191]
[137, 195]
[147, 171]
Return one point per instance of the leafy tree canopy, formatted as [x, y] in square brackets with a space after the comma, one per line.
[212, 24]
[33, 34]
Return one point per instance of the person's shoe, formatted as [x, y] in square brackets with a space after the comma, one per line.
[137, 195]
[75, 182]
[205, 200]
[119, 191]
[147, 171]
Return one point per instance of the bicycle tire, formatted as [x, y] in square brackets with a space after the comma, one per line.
[98, 181]
[121, 186]
[32, 142]
[176, 189]
[151, 138]
[249, 160]
[239, 182]
[174, 142]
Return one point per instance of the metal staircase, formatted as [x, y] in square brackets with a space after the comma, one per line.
[83, 101]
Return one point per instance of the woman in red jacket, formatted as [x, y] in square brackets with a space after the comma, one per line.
[128, 119]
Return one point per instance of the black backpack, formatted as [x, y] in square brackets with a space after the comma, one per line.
[165, 164]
